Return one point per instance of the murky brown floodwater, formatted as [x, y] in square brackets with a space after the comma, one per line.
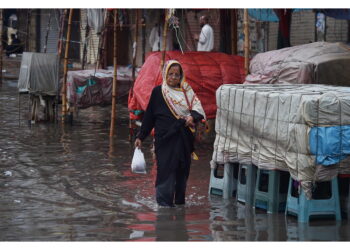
[72, 184]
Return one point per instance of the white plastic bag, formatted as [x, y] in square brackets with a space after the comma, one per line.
[138, 164]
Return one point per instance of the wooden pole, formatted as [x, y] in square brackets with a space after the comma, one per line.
[104, 62]
[62, 15]
[135, 45]
[102, 42]
[29, 17]
[190, 34]
[165, 32]
[234, 31]
[47, 33]
[246, 42]
[1, 48]
[64, 86]
[60, 36]
[114, 89]
[87, 32]
[143, 31]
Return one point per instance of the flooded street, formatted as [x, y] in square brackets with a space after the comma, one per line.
[72, 183]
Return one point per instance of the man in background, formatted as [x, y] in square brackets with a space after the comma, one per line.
[206, 37]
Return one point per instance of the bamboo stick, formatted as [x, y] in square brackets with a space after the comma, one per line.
[234, 31]
[102, 41]
[143, 31]
[189, 31]
[47, 32]
[59, 52]
[1, 49]
[135, 45]
[165, 32]
[104, 61]
[60, 36]
[87, 32]
[29, 17]
[134, 65]
[64, 86]
[114, 89]
[246, 42]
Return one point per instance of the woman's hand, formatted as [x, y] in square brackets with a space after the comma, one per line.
[189, 121]
[138, 143]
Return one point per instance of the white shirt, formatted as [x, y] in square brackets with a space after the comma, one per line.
[155, 39]
[206, 39]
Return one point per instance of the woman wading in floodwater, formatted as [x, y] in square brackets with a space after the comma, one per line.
[172, 111]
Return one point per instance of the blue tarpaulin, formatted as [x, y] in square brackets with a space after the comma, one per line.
[265, 15]
[330, 145]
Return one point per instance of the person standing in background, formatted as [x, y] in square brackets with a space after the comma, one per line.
[206, 37]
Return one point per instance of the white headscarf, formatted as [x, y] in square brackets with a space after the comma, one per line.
[180, 100]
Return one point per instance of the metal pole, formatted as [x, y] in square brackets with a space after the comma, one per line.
[114, 89]
[246, 42]
[64, 86]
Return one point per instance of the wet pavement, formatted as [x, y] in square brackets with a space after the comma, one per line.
[72, 183]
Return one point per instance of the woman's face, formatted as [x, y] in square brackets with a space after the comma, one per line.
[174, 76]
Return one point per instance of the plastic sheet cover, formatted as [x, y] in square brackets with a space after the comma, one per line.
[319, 63]
[204, 71]
[39, 73]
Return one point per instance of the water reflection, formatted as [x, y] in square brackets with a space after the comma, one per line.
[323, 230]
[171, 225]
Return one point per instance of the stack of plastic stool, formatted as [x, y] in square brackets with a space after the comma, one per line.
[271, 190]
[224, 185]
[246, 183]
[344, 194]
[304, 208]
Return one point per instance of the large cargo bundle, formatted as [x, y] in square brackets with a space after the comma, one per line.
[319, 62]
[91, 87]
[303, 128]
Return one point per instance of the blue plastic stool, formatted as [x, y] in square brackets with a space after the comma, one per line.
[271, 190]
[246, 183]
[225, 185]
[344, 194]
[303, 208]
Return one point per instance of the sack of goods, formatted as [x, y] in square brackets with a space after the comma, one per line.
[300, 128]
[138, 164]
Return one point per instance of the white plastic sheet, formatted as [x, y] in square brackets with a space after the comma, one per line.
[39, 73]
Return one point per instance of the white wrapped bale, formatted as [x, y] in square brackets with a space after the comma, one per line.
[269, 126]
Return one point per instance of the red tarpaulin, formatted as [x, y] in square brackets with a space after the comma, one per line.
[204, 71]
